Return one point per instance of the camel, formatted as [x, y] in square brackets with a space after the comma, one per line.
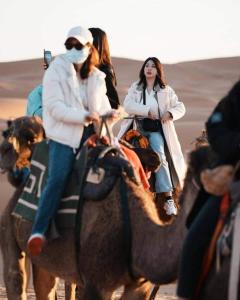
[102, 265]
[44, 283]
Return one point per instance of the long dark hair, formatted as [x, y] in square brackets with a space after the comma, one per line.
[159, 80]
[90, 62]
[100, 42]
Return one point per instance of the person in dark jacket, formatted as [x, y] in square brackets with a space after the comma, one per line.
[223, 129]
[100, 42]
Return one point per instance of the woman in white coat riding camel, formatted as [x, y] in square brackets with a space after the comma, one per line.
[74, 95]
[155, 106]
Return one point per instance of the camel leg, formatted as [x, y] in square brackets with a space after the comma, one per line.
[70, 291]
[90, 292]
[140, 290]
[44, 284]
[154, 292]
[14, 272]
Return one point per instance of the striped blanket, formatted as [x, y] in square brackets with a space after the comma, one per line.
[28, 202]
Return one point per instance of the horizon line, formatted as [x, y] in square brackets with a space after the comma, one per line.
[130, 58]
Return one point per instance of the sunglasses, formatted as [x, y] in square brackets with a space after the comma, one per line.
[77, 46]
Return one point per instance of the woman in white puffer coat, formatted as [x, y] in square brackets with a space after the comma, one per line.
[151, 98]
[74, 95]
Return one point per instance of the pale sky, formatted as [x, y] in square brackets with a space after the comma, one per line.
[172, 30]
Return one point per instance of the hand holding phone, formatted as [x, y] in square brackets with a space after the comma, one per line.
[47, 58]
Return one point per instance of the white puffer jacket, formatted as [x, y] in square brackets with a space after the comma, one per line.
[67, 101]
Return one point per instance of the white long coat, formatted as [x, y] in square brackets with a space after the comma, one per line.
[167, 101]
[66, 101]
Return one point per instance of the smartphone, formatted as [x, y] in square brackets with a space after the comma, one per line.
[47, 58]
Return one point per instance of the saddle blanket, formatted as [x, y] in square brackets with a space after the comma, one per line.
[28, 202]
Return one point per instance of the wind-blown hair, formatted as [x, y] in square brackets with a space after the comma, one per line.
[159, 80]
[100, 42]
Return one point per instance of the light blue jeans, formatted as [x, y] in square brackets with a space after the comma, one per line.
[163, 182]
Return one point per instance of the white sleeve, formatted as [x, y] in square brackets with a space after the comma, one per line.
[177, 108]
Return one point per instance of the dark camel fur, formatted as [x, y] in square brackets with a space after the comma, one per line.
[155, 248]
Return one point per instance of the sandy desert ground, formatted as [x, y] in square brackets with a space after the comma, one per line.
[199, 84]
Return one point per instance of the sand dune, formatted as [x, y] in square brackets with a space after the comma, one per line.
[199, 84]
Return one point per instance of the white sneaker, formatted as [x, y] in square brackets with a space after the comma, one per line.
[170, 207]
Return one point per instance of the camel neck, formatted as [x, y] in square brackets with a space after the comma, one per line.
[156, 251]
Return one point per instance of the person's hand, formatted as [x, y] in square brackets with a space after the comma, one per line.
[93, 117]
[115, 115]
[150, 115]
[166, 117]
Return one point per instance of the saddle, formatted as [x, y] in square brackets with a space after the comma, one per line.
[102, 169]
[104, 165]
[135, 138]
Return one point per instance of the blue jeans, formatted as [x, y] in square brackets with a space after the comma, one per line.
[163, 182]
[60, 163]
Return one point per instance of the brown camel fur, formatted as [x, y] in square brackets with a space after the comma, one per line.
[102, 264]
[44, 283]
[155, 249]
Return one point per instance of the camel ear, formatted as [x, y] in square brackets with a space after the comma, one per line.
[198, 159]
[192, 160]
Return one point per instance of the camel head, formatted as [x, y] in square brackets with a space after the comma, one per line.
[18, 140]
[198, 160]
[201, 140]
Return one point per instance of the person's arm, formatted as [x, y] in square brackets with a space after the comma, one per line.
[96, 94]
[222, 136]
[53, 101]
[132, 107]
[111, 87]
[177, 109]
